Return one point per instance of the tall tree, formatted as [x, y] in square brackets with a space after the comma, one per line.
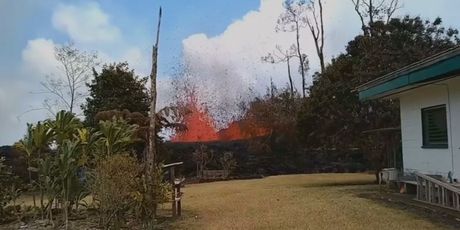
[116, 87]
[67, 90]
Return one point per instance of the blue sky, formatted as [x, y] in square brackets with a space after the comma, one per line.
[26, 19]
[222, 41]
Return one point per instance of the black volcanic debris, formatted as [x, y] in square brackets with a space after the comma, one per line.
[251, 164]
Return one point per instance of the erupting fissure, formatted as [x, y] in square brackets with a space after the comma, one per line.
[201, 128]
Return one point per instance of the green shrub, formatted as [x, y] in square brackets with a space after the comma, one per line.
[119, 188]
[145, 204]
[114, 187]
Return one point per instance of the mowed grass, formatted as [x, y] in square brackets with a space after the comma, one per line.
[316, 201]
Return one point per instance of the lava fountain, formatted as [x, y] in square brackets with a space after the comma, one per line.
[201, 128]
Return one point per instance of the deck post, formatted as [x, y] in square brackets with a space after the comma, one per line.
[418, 187]
[173, 193]
[176, 184]
[179, 205]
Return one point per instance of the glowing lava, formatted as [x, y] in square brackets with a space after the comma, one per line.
[200, 128]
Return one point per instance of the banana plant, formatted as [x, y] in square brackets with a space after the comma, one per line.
[67, 167]
[26, 145]
[64, 126]
[116, 136]
[34, 144]
[49, 183]
[88, 139]
[42, 135]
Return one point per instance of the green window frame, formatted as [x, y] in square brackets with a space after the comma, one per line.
[434, 127]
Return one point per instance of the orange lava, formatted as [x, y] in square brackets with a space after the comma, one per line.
[200, 128]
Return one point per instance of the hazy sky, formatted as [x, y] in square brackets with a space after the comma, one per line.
[222, 41]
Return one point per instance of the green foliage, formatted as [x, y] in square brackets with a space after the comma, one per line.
[26, 144]
[119, 188]
[116, 136]
[61, 155]
[64, 126]
[167, 118]
[89, 139]
[145, 204]
[54, 156]
[34, 144]
[333, 116]
[115, 88]
[67, 178]
[114, 188]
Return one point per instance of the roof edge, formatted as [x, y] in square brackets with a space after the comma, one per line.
[455, 51]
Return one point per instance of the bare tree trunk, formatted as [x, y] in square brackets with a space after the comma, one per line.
[72, 102]
[151, 155]
[291, 85]
[302, 70]
[371, 13]
[317, 31]
[371, 18]
[279, 56]
[321, 53]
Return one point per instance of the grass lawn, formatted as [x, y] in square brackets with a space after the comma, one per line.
[316, 201]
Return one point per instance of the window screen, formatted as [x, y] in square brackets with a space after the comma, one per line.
[434, 124]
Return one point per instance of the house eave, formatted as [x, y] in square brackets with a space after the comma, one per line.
[434, 68]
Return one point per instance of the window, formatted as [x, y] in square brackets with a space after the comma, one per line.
[434, 127]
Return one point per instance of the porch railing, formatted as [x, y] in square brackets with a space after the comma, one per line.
[436, 192]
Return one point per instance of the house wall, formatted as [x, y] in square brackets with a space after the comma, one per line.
[431, 161]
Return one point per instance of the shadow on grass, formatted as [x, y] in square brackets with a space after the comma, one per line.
[390, 199]
[337, 184]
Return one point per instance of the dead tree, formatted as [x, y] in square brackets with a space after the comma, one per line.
[293, 20]
[315, 23]
[299, 14]
[152, 151]
[370, 11]
[282, 56]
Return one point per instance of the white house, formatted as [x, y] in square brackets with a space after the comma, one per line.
[429, 95]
